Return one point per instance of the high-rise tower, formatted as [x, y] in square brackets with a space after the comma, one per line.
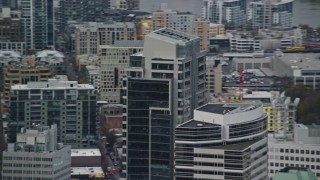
[38, 21]
[165, 83]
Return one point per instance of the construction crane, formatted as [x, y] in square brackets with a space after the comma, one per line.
[241, 80]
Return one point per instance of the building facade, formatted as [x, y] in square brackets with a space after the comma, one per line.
[37, 155]
[148, 129]
[70, 105]
[82, 10]
[183, 22]
[264, 14]
[301, 152]
[222, 141]
[89, 36]
[232, 13]
[165, 82]
[213, 75]
[113, 61]
[38, 23]
[22, 73]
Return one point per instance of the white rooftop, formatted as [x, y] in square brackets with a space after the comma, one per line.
[52, 84]
[85, 152]
[46, 53]
[87, 170]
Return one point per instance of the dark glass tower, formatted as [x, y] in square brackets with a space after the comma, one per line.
[148, 129]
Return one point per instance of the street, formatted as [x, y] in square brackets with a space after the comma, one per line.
[107, 162]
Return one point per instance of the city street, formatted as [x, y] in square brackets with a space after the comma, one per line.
[107, 162]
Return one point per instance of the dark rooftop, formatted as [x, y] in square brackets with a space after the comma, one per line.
[194, 123]
[216, 108]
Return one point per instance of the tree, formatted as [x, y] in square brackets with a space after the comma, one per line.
[308, 109]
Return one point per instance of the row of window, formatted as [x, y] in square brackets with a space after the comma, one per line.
[302, 151]
[27, 159]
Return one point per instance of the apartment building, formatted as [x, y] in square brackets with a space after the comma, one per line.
[183, 22]
[145, 28]
[232, 13]
[202, 30]
[10, 26]
[303, 151]
[22, 73]
[213, 75]
[264, 14]
[89, 36]
[276, 38]
[113, 61]
[222, 141]
[70, 105]
[54, 58]
[37, 155]
[216, 29]
[82, 10]
[38, 23]
[94, 76]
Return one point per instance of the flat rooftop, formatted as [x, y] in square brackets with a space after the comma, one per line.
[303, 61]
[87, 170]
[236, 147]
[173, 34]
[228, 108]
[216, 108]
[85, 152]
[195, 123]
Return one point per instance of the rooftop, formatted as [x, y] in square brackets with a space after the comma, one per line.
[228, 108]
[97, 171]
[295, 173]
[85, 152]
[195, 123]
[216, 108]
[303, 61]
[52, 84]
[236, 147]
[173, 34]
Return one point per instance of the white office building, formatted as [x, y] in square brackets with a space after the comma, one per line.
[222, 142]
[303, 151]
[172, 54]
[37, 155]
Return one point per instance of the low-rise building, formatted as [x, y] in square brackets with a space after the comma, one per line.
[244, 41]
[302, 152]
[87, 60]
[36, 155]
[85, 173]
[85, 158]
[303, 68]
